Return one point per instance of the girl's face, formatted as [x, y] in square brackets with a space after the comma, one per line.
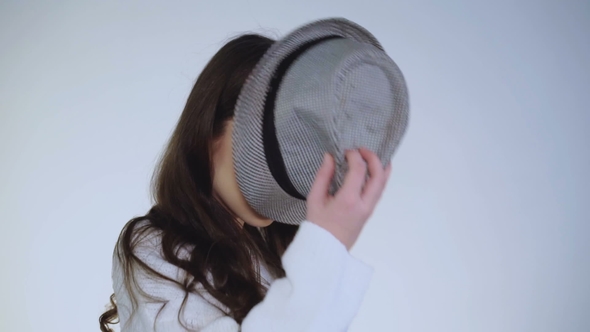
[225, 185]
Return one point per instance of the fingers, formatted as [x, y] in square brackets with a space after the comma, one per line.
[378, 177]
[355, 177]
[321, 185]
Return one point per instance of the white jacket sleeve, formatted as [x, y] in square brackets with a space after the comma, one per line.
[322, 291]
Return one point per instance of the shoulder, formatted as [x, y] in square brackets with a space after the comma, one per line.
[155, 285]
[140, 235]
[140, 246]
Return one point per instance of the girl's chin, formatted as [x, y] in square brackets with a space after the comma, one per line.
[266, 222]
[257, 222]
[260, 222]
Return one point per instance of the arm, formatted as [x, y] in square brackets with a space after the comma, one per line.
[322, 291]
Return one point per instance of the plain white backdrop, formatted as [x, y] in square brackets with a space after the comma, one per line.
[484, 226]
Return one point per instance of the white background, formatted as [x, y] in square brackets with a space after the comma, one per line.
[485, 224]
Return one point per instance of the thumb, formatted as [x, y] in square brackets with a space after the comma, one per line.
[321, 184]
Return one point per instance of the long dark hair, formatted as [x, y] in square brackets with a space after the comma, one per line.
[185, 211]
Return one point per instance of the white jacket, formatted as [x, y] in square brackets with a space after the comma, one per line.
[322, 291]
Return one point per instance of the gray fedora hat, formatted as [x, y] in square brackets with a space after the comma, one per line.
[328, 86]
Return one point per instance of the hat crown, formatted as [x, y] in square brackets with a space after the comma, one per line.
[336, 96]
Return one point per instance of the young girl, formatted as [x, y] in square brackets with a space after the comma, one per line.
[202, 259]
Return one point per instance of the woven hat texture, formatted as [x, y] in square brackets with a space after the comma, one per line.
[328, 86]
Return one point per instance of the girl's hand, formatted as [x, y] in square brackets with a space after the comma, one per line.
[345, 213]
